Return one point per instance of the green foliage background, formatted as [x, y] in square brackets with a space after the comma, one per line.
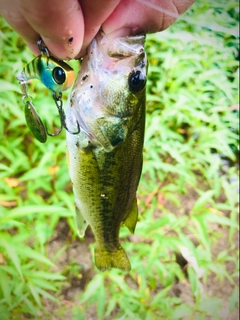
[191, 147]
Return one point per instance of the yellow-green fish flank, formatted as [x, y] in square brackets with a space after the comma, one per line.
[105, 159]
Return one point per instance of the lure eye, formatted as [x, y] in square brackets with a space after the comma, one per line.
[136, 81]
[59, 75]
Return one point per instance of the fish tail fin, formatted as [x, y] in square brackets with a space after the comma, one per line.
[105, 260]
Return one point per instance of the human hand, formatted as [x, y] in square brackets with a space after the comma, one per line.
[68, 26]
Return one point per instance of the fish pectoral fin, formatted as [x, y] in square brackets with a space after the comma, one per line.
[81, 223]
[113, 129]
[131, 220]
[105, 260]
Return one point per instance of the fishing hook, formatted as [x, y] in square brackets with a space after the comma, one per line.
[57, 97]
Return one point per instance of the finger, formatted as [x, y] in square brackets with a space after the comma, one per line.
[95, 13]
[144, 16]
[183, 5]
[60, 24]
[12, 15]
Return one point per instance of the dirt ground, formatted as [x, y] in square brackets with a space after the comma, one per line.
[80, 252]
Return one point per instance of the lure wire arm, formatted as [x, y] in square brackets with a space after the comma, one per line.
[57, 97]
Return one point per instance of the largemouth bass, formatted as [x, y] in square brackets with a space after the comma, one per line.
[105, 158]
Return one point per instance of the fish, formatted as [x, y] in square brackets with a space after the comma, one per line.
[105, 159]
[55, 74]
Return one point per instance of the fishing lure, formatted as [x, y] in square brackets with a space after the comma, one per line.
[57, 76]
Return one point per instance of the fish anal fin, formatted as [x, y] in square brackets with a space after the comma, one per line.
[106, 260]
[131, 220]
[81, 223]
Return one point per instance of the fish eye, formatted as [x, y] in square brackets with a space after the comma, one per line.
[136, 81]
[59, 75]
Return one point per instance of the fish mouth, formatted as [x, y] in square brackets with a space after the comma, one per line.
[79, 114]
[127, 46]
[83, 126]
[106, 47]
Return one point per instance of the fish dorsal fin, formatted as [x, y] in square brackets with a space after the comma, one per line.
[131, 220]
[81, 223]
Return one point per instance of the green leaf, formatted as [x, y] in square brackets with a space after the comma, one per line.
[18, 291]
[7, 86]
[211, 306]
[111, 304]
[35, 173]
[182, 311]
[35, 294]
[31, 308]
[93, 288]
[46, 294]
[5, 285]
[40, 209]
[25, 251]
[12, 254]
[160, 296]
[4, 312]
[40, 283]
[48, 275]
[202, 234]
[204, 198]
[234, 299]
[101, 302]
[219, 219]
[196, 286]
[9, 269]
[220, 270]
[78, 313]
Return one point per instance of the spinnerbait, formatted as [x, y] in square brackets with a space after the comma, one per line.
[55, 75]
